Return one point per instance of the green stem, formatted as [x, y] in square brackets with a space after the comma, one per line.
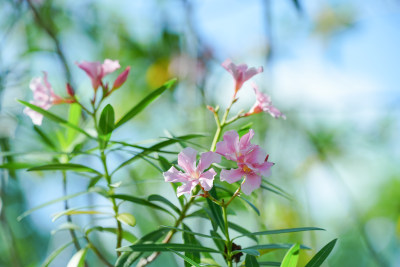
[228, 242]
[221, 124]
[98, 253]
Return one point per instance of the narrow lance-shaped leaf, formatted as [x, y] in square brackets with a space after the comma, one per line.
[17, 165]
[189, 238]
[44, 137]
[74, 116]
[321, 255]
[190, 232]
[162, 199]
[78, 260]
[54, 254]
[187, 260]
[282, 231]
[125, 234]
[77, 212]
[251, 261]
[292, 256]
[166, 247]
[64, 167]
[54, 117]
[144, 103]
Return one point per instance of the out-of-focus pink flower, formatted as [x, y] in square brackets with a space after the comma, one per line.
[264, 103]
[43, 97]
[241, 73]
[251, 160]
[193, 174]
[121, 79]
[96, 71]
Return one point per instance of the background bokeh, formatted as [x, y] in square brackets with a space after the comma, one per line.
[331, 66]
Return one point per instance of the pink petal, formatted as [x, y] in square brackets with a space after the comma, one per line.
[232, 175]
[229, 146]
[255, 156]
[173, 176]
[94, 71]
[109, 66]
[186, 188]
[230, 67]
[36, 117]
[121, 78]
[187, 160]
[251, 72]
[265, 168]
[251, 183]
[244, 143]
[207, 178]
[206, 159]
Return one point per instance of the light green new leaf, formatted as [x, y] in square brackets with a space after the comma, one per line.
[106, 122]
[17, 165]
[292, 256]
[188, 260]
[76, 212]
[54, 117]
[78, 260]
[74, 116]
[144, 103]
[64, 167]
[251, 261]
[127, 219]
[321, 255]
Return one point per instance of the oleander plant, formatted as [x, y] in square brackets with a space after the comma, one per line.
[208, 182]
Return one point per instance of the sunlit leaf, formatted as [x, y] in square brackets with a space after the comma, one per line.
[144, 103]
[127, 219]
[75, 211]
[74, 116]
[292, 256]
[321, 255]
[78, 260]
[17, 165]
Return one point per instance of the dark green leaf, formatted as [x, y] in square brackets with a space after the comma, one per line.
[54, 117]
[125, 234]
[140, 201]
[253, 252]
[165, 247]
[242, 230]
[251, 261]
[106, 122]
[275, 191]
[189, 238]
[162, 199]
[216, 211]
[187, 259]
[321, 255]
[275, 246]
[218, 240]
[292, 256]
[64, 167]
[190, 232]
[144, 103]
[282, 231]
[269, 263]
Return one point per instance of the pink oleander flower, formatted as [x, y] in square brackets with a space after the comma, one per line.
[264, 103]
[241, 73]
[251, 160]
[43, 97]
[97, 71]
[193, 174]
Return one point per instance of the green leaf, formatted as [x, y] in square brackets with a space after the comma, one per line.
[190, 232]
[74, 116]
[66, 226]
[275, 246]
[242, 230]
[187, 259]
[269, 263]
[253, 252]
[189, 238]
[140, 201]
[250, 204]
[165, 247]
[128, 258]
[125, 234]
[127, 218]
[292, 256]
[321, 255]
[251, 261]
[44, 137]
[282, 231]
[156, 197]
[216, 211]
[245, 129]
[106, 122]
[275, 191]
[78, 260]
[54, 117]
[144, 103]
[17, 165]
[28, 212]
[218, 240]
[54, 254]
[155, 148]
[64, 167]
[75, 211]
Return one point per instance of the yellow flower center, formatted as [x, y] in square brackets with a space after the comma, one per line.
[246, 169]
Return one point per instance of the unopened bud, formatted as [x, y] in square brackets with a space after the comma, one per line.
[70, 90]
